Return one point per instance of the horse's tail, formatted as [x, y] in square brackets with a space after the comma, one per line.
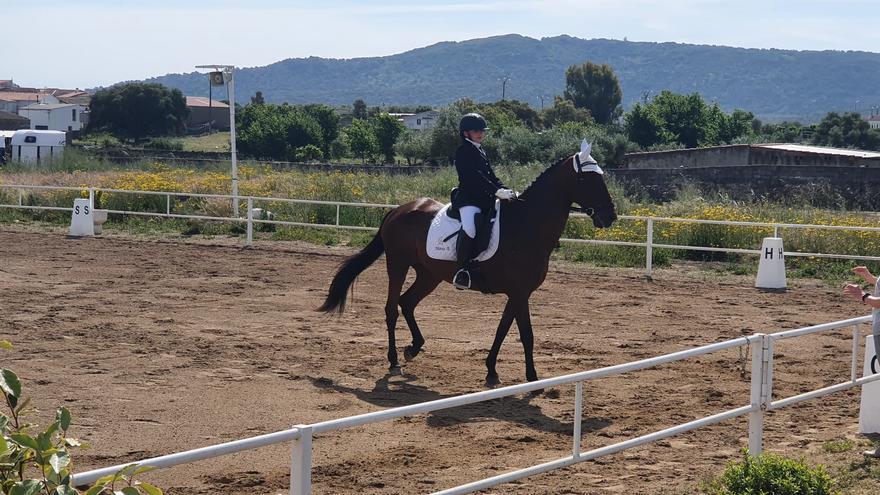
[350, 269]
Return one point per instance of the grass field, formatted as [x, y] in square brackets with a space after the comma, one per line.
[218, 141]
[79, 170]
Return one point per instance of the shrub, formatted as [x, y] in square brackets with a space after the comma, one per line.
[164, 144]
[770, 474]
[41, 463]
[308, 153]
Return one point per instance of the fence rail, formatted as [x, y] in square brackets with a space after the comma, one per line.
[649, 245]
[761, 393]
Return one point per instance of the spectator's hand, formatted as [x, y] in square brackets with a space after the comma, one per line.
[507, 194]
[853, 291]
[863, 272]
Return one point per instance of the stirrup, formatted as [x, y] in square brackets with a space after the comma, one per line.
[464, 274]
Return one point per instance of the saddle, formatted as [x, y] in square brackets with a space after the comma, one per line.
[445, 228]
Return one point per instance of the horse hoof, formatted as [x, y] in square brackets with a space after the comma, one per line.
[493, 381]
[409, 353]
[394, 370]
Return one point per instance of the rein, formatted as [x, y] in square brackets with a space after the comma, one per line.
[586, 211]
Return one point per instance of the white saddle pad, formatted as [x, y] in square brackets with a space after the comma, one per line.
[442, 236]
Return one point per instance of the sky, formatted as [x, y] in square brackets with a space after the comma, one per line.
[89, 43]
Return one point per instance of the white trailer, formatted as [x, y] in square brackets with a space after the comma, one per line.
[30, 146]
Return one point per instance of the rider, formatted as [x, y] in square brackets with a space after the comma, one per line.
[477, 189]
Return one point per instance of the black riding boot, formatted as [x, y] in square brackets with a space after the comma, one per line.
[462, 278]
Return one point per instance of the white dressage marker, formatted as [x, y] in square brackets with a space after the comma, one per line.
[869, 412]
[771, 268]
[82, 218]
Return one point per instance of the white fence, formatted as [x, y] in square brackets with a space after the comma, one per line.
[761, 400]
[250, 221]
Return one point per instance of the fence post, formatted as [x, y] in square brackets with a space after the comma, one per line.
[578, 412]
[250, 222]
[337, 214]
[854, 371]
[759, 377]
[168, 204]
[776, 231]
[92, 198]
[649, 249]
[301, 462]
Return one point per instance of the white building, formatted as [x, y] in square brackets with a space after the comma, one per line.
[421, 121]
[54, 116]
[874, 121]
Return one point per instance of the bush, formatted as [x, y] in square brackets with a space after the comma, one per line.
[770, 474]
[41, 463]
[308, 153]
[164, 144]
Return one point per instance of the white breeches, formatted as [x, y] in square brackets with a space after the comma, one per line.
[467, 220]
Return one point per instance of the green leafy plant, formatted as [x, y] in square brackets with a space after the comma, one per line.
[34, 461]
[770, 474]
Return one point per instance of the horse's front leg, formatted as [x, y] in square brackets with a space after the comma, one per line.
[396, 278]
[492, 379]
[524, 323]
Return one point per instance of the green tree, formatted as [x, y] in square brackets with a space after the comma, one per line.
[386, 129]
[685, 117]
[414, 146]
[359, 109]
[328, 119]
[596, 88]
[276, 131]
[257, 99]
[739, 124]
[444, 135]
[520, 111]
[564, 111]
[362, 140]
[848, 130]
[645, 127]
[138, 110]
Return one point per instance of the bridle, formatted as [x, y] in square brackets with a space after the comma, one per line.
[579, 167]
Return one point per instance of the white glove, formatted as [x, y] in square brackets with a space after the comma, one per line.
[505, 194]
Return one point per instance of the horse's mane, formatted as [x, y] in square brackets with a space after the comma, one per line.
[542, 176]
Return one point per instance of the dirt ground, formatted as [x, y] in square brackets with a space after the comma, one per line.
[158, 346]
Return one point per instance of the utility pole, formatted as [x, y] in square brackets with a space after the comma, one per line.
[226, 76]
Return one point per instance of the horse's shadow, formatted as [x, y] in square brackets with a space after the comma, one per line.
[399, 390]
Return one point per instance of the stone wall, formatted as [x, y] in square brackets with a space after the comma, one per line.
[742, 154]
[828, 186]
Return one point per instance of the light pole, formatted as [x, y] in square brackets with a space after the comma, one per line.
[229, 79]
[542, 102]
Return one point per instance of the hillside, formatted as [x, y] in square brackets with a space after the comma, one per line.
[774, 84]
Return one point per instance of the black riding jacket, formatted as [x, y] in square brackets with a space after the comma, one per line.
[476, 181]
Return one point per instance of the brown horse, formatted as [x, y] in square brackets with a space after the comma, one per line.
[530, 230]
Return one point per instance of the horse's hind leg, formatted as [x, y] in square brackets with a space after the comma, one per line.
[425, 284]
[396, 278]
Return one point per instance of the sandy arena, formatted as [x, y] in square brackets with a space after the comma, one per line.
[158, 346]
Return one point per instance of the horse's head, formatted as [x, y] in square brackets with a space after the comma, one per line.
[590, 191]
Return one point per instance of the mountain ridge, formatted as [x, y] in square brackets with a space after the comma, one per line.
[775, 84]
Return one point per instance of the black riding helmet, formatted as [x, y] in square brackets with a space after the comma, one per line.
[472, 122]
